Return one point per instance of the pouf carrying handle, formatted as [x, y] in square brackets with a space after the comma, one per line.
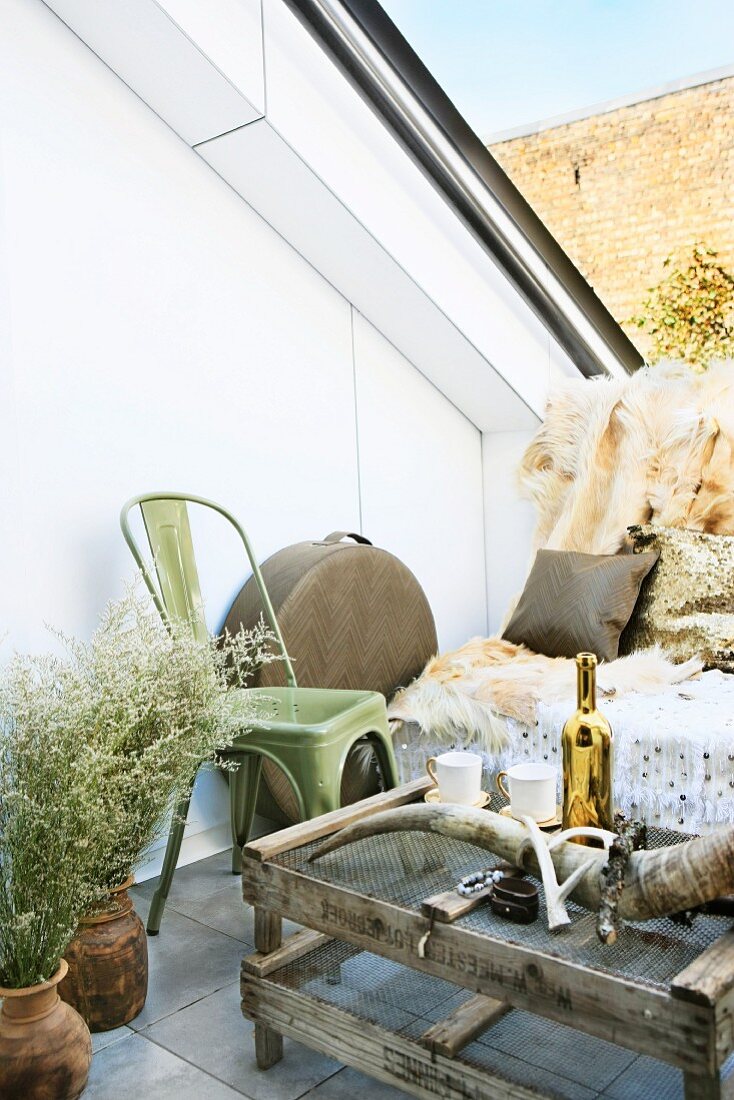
[337, 536]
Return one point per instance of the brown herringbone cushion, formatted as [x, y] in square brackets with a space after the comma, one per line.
[575, 603]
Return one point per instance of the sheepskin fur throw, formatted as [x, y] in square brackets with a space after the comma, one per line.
[654, 448]
[460, 695]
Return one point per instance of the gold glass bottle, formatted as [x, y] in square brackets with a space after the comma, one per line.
[587, 758]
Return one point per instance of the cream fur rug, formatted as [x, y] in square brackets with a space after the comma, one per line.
[462, 694]
[657, 447]
[654, 448]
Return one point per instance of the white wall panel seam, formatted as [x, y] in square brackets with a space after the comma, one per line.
[122, 80]
[421, 469]
[356, 420]
[485, 530]
[214, 137]
[413, 364]
[11, 446]
[264, 122]
[208, 59]
[265, 70]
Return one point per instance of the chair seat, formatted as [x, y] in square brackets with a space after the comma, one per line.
[309, 714]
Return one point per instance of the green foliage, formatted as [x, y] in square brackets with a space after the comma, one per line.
[95, 747]
[690, 313]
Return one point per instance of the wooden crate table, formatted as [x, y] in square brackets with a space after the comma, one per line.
[397, 975]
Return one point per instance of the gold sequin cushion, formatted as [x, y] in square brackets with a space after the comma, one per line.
[687, 603]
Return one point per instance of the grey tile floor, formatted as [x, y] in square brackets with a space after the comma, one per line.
[191, 1041]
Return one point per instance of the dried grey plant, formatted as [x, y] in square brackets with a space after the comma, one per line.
[96, 747]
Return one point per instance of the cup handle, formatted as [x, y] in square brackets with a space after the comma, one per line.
[501, 787]
[431, 768]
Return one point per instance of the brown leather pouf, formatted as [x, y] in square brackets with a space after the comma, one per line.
[352, 616]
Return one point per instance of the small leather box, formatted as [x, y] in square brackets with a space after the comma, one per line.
[516, 900]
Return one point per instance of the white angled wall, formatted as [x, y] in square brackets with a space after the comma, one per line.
[161, 334]
[156, 333]
[508, 521]
[416, 449]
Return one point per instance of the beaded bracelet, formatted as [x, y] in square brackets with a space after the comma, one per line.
[478, 882]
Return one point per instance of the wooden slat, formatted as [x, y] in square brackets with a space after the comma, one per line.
[268, 937]
[709, 977]
[295, 947]
[268, 930]
[725, 1029]
[449, 906]
[306, 831]
[612, 1007]
[451, 1035]
[268, 1046]
[703, 1088]
[376, 1051]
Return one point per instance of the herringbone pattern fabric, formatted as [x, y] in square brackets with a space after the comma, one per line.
[352, 616]
[575, 603]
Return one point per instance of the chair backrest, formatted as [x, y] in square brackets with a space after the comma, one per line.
[177, 593]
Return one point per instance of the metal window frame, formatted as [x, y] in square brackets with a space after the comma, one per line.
[369, 49]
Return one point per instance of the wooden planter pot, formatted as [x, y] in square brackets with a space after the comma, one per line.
[45, 1046]
[107, 981]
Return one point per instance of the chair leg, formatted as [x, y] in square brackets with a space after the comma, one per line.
[386, 758]
[173, 847]
[243, 788]
[321, 795]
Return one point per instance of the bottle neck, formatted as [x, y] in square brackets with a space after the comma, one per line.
[586, 688]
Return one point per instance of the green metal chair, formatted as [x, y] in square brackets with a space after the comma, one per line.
[309, 731]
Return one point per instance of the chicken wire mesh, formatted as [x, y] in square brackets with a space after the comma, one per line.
[521, 1048]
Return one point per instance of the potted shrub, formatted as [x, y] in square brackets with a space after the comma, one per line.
[49, 808]
[151, 704]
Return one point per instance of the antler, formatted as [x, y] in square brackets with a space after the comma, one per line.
[555, 893]
[657, 882]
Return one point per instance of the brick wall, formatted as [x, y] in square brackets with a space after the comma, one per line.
[622, 190]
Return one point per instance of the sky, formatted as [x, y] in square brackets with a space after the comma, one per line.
[506, 63]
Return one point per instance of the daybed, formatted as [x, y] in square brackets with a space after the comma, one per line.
[654, 449]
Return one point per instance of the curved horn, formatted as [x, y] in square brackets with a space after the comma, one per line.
[658, 882]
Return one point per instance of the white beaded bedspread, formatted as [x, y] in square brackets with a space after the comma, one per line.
[673, 751]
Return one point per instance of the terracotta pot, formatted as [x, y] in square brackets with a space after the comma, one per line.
[45, 1046]
[107, 981]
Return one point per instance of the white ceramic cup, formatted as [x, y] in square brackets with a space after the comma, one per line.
[458, 776]
[531, 790]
